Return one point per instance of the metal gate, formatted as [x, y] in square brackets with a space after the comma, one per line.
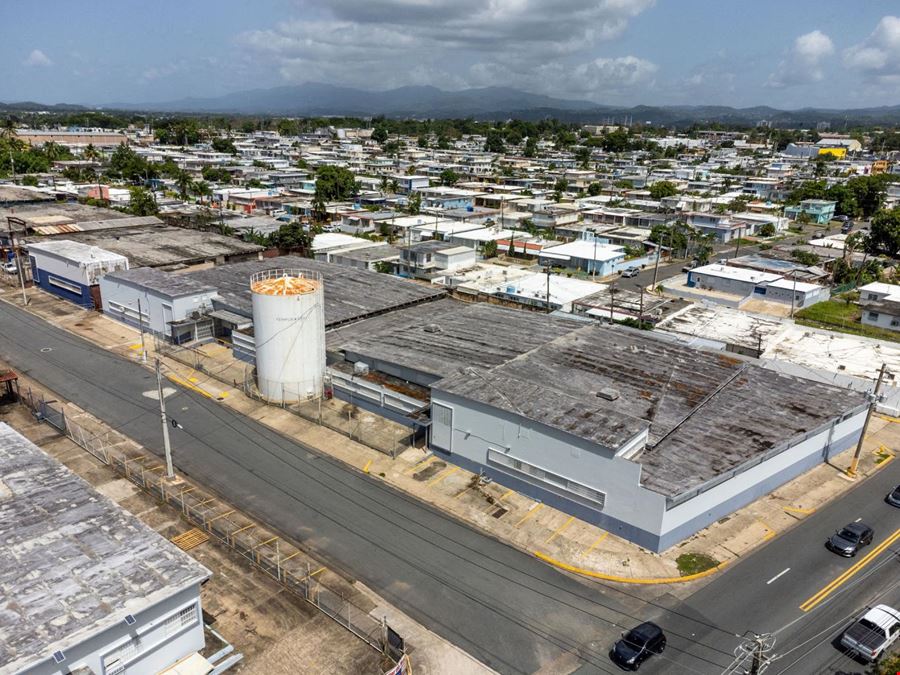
[54, 417]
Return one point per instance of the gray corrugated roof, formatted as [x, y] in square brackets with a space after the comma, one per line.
[72, 563]
[164, 283]
[708, 412]
[350, 294]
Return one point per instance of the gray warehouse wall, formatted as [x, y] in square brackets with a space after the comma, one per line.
[627, 508]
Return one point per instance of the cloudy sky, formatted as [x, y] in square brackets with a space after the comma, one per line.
[785, 53]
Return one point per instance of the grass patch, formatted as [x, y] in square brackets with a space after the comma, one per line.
[838, 315]
[694, 563]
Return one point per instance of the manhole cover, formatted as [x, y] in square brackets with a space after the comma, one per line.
[44, 350]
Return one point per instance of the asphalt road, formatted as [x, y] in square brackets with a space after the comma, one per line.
[751, 596]
[506, 608]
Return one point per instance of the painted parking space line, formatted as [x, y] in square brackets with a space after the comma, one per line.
[441, 476]
[537, 506]
[559, 530]
[840, 580]
[779, 575]
[421, 464]
[597, 542]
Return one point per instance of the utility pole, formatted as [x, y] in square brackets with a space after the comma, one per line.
[141, 324]
[170, 471]
[548, 270]
[751, 656]
[641, 310]
[612, 302]
[793, 294]
[873, 401]
[16, 252]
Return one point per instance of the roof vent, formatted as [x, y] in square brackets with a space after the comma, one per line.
[608, 394]
[433, 328]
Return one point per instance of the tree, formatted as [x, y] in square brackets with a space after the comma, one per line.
[183, 183]
[222, 144]
[805, 257]
[885, 231]
[125, 163]
[443, 143]
[583, 157]
[559, 189]
[869, 192]
[494, 142]
[530, 147]
[594, 189]
[490, 249]
[215, 174]
[663, 188]
[292, 237]
[201, 189]
[615, 141]
[379, 134]
[142, 202]
[449, 177]
[767, 230]
[414, 204]
[422, 141]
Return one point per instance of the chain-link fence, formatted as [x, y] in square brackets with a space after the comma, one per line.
[281, 560]
[345, 417]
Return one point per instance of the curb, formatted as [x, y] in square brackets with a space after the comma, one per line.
[625, 580]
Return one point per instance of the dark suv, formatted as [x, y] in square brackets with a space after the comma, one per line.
[637, 645]
[848, 540]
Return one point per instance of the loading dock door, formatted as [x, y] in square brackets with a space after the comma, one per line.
[441, 426]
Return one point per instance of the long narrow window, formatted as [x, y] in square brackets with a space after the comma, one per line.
[553, 482]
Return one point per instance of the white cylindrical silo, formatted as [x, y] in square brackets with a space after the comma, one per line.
[289, 331]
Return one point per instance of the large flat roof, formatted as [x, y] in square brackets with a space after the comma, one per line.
[73, 563]
[443, 337]
[707, 412]
[163, 245]
[350, 294]
[165, 283]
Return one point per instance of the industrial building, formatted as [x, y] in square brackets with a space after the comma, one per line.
[744, 283]
[103, 593]
[73, 270]
[650, 440]
[172, 306]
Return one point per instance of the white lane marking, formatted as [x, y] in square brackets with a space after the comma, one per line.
[780, 574]
[857, 520]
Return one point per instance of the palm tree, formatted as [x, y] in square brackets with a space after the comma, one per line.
[201, 188]
[91, 153]
[183, 182]
[53, 151]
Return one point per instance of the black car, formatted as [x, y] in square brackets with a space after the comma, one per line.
[893, 497]
[846, 227]
[848, 540]
[637, 645]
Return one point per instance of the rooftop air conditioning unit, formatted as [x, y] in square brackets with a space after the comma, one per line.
[608, 394]
[433, 328]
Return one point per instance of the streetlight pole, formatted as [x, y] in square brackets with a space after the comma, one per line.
[170, 471]
[16, 252]
[141, 324]
[873, 401]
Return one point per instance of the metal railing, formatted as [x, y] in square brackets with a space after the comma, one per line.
[268, 552]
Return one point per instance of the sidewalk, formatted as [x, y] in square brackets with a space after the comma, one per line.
[539, 530]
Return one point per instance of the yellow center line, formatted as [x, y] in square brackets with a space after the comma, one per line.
[444, 474]
[531, 512]
[596, 543]
[560, 530]
[842, 579]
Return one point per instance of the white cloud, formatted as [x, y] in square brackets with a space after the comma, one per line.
[379, 44]
[37, 58]
[878, 56]
[803, 62]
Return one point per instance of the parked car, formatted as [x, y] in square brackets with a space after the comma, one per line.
[637, 645]
[691, 265]
[850, 539]
[893, 497]
[631, 272]
[846, 227]
[873, 633]
[10, 267]
[842, 219]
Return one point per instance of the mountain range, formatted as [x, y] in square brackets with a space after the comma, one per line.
[319, 99]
